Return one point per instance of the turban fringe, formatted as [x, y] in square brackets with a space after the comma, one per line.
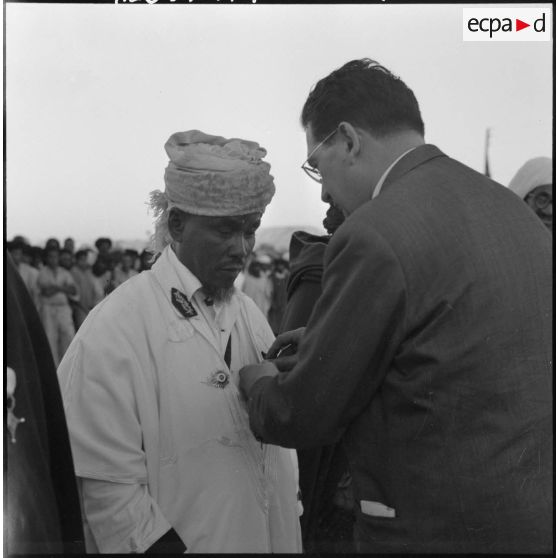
[158, 202]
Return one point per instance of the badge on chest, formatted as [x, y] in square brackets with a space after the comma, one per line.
[182, 304]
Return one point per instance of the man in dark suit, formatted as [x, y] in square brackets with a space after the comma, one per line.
[430, 349]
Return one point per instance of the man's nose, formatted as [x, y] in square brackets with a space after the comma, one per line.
[240, 246]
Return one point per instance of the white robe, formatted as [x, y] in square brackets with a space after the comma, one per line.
[154, 444]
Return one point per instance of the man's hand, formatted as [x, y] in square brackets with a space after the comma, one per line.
[285, 344]
[252, 373]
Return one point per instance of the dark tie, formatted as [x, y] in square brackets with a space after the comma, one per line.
[228, 352]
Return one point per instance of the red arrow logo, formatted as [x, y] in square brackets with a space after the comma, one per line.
[519, 25]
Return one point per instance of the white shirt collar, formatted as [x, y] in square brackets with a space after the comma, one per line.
[380, 183]
[188, 281]
[190, 284]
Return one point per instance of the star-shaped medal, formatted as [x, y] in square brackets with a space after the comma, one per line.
[218, 379]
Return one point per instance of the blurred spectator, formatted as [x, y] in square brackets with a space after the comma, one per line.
[257, 282]
[56, 284]
[36, 255]
[41, 506]
[533, 183]
[83, 277]
[126, 268]
[70, 245]
[52, 243]
[102, 277]
[103, 245]
[21, 239]
[325, 483]
[103, 267]
[27, 256]
[28, 273]
[66, 259]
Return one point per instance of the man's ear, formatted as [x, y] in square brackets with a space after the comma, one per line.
[351, 138]
[176, 222]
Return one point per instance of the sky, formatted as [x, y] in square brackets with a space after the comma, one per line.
[93, 92]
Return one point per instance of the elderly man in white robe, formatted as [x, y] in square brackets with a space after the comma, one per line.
[163, 451]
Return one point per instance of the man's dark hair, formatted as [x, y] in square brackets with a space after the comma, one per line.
[365, 94]
[103, 240]
[16, 245]
[51, 242]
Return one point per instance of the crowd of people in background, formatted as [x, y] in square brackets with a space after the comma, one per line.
[66, 284]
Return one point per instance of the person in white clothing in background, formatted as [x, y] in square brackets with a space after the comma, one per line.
[56, 287]
[534, 184]
[165, 458]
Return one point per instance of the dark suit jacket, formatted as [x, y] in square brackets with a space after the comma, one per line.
[430, 351]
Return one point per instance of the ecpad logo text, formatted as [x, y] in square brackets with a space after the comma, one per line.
[507, 24]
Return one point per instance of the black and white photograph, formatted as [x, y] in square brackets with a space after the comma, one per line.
[279, 278]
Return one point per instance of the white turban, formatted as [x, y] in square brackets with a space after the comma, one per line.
[211, 175]
[535, 172]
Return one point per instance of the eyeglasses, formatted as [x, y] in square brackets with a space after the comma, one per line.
[311, 171]
[541, 200]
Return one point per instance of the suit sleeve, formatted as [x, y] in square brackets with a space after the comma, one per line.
[347, 348]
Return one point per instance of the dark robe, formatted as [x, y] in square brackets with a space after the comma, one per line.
[278, 302]
[41, 506]
[326, 527]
